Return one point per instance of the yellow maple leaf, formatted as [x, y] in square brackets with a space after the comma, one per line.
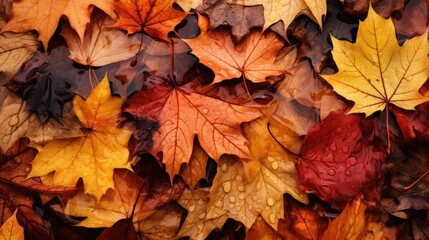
[375, 71]
[94, 155]
[43, 16]
[286, 11]
[11, 229]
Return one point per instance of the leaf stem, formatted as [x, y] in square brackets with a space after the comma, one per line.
[173, 80]
[387, 128]
[415, 182]
[287, 150]
[247, 89]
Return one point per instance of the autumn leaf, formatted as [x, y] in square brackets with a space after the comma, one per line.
[195, 170]
[156, 17]
[14, 51]
[261, 230]
[222, 13]
[18, 122]
[254, 58]
[375, 71]
[197, 225]
[5, 11]
[93, 156]
[11, 229]
[101, 45]
[350, 224]
[187, 5]
[182, 115]
[341, 158]
[44, 15]
[286, 11]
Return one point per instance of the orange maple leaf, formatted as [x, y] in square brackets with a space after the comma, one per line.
[182, 115]
[156, 17]
[43, 16]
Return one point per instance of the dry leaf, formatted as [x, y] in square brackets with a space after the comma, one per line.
[11, 230]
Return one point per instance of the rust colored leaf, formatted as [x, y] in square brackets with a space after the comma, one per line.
[44, 15]
[182, 115]
[155, 17]
[254, 58]
[195, 170]
[261, 230]
[340, 158]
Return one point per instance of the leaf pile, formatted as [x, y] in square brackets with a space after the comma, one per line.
[214, 119]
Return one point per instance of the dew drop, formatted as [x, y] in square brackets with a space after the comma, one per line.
[18, 160]
[331, 172]
[200, 227]
[239, 178]
[218, 204]
[271, 159]
[200, 202]
[241, 196]
[226, 186]
[240, 188]
[191, 208]
[258, 186]
[275, 165]
[326, 189]
[238, 208]
[202, 216]
[13, 121]
[231, 205]
[254, 197]
[333, 147]
[224, 167]
[351, 161]
[348, 173]
[27, 169]
[205, 110]
[345, 149]
[339, 130]
[272, 218]
[270, 201]
[232, 199]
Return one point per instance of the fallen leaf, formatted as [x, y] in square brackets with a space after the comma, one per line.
[11, 229]
[156, 17]
[287, 10]
[412, 121]
[245, 190]
[187, 5]
[164, 223]
[412, 22]
[44, 15]
[121, 230]
[195, 170]
[383, 8]
[254, 58]
[261, 230]
[182, 115]
[16, 48]
[340, 158]
[101, 44]
[301, 221]
[197, 225]
[350, 224]
[382, 72]
[126, 200]
[93, 156]
[223, 13]
[19, 122]
[5, 11]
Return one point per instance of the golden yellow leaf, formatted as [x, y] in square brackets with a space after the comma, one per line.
[16, 48]
[197, 225]
[350, 224]
[245, 190]
[286, 11]
[375, 71]
[11, 230]
[43, 16]
[101, 45]
[94, 156]
[17, 122]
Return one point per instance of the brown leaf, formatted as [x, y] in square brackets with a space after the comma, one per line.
[5, 11]
[260, 230]
[195, 170]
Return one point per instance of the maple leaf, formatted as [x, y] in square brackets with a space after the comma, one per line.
[197, 225]
[14, 51]
[187, 5]
[245, 190]
[11, 229]
[350, 224]
[156, 17]
[182, 115]
[254, 58]
[340, 158]
[101, 45]
[223, 13]
[44, 15]
[375, 71]
[92, 156]
[286, 11]
[20, 122]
